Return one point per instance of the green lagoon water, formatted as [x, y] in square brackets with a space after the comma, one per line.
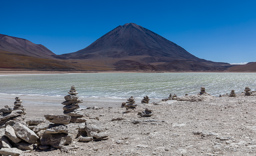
[124, 85]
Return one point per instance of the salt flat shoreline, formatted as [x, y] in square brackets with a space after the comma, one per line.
[77, 72]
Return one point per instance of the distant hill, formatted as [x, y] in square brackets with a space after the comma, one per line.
[24, 47]
[249, 67]
[132, 47]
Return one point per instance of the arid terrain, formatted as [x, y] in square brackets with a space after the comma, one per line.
[214, 126]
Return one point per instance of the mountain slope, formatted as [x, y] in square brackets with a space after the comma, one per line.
[132, 47]
[132, 40]
[24, 47]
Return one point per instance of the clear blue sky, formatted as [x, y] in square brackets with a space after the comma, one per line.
[217, 30]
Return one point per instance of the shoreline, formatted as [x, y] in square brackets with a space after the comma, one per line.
[34, 72]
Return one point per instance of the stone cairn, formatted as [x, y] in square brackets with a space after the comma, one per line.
[146, 113]
[71, 106]
[247, 91]
[56, 135]
[17, 113]
[17, 105]
[171, 97]
[174, 97]
[130, 104]
[232, 93]
[145, 99]
[15, 135]
[203, 92]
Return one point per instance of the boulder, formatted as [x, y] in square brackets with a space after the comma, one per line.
[55, 140]
[55, 129]
[10, 151]
[24, 133]
[10, 133]
[25, 146]
[58, 119]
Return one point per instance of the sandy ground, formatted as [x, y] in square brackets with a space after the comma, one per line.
[220, 126]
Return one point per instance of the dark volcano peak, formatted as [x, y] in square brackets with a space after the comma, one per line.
[132, 40]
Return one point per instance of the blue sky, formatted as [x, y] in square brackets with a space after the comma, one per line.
[217, 30]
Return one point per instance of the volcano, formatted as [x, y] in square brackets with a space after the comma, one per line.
[132, 47]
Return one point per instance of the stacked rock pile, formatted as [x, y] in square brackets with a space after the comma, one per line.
[202, 91]
[130, 104]
[18, 135]
[232, 93]
[145, 99]
[91, 132]
[72, 105]
[18, 105]
[247, 91]
[14, 133]
[17, 113]
[56, 135]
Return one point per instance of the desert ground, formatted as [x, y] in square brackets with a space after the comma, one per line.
[213, 126]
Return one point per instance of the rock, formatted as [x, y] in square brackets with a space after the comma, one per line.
[5, 142]
[58, 119]
[70, 107]
[24, 133]
[80, 120]
[44, 147]
[13, 114]
[84, 139]
[10, 151]
[25, 146]
[10, 133]
[146, 113]
[99, 136]
[41, 126]
[56, 140]
[92, 128]
[117, 119]
[75, 114]
[6, 110]
[55, 129]
[71, 98]
[33, 122]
